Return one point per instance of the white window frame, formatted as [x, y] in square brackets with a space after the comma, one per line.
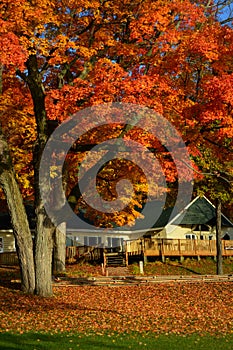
[190, 236]
[88, 238]
[119, 242]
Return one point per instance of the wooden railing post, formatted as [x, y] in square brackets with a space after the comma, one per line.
[179, 247]
[105, 261]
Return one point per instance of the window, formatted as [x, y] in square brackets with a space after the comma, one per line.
[190, 236]
[92, 241]
[1, 245]
[115, 242]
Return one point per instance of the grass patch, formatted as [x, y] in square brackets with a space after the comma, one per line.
[205, 266]
[66, 341]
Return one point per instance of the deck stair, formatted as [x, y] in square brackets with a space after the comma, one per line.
[115, 259]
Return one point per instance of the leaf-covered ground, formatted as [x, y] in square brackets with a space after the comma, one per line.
[175, 308]
[180, 308]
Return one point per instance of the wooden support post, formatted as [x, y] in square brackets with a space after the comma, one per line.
[103, 269]
[105, 261]
[179, 247]
[126, 258]
[195, 247]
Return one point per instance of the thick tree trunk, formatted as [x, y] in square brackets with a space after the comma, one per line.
[19, 219]
[43, 238]
[218, 237]
[43, 254]
[44, 227]
[59, 249]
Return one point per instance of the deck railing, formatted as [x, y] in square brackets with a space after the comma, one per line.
[9, 258]
[89, 253]
[177, 247]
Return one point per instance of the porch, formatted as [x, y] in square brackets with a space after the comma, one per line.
[149, 247]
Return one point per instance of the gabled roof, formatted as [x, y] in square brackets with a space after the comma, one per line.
[199, 211]
[154, 209]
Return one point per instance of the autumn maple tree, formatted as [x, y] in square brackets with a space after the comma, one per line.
[59, 57]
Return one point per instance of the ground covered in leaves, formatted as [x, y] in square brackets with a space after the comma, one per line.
[174, 308]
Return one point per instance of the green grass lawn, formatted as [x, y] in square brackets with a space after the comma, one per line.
[39, 341]
[205, 266]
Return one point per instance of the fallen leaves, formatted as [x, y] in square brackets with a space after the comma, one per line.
[171, 308]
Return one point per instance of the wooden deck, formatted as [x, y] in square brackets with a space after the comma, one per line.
[83, 252]
[176, 248]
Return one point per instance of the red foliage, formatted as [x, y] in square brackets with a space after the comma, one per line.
[162, 308]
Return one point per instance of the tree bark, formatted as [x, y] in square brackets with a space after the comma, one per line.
[218, 237]
[43, 254]
[59, 250]
[44, 226]
[19, 219]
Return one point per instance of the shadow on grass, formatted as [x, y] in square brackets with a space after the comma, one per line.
[66, 341]
[184, 268]
[38, 341]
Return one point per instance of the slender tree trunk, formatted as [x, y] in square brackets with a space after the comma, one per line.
[59, 249]
[218, 237]
[19, 219]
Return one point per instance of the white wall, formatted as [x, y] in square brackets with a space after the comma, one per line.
[8, 241]
[178, 232]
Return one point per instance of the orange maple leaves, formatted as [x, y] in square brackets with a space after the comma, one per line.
[169, 308]
[169, 56]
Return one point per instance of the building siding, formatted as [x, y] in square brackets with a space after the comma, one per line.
[8, 241]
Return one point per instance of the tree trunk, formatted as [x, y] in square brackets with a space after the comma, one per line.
[43, 253]
[43, 239]
[19, 219]
[218, 237]
[44, 226]
[59, 250]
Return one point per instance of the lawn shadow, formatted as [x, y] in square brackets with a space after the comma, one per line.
[184, 268]
[38, 341]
